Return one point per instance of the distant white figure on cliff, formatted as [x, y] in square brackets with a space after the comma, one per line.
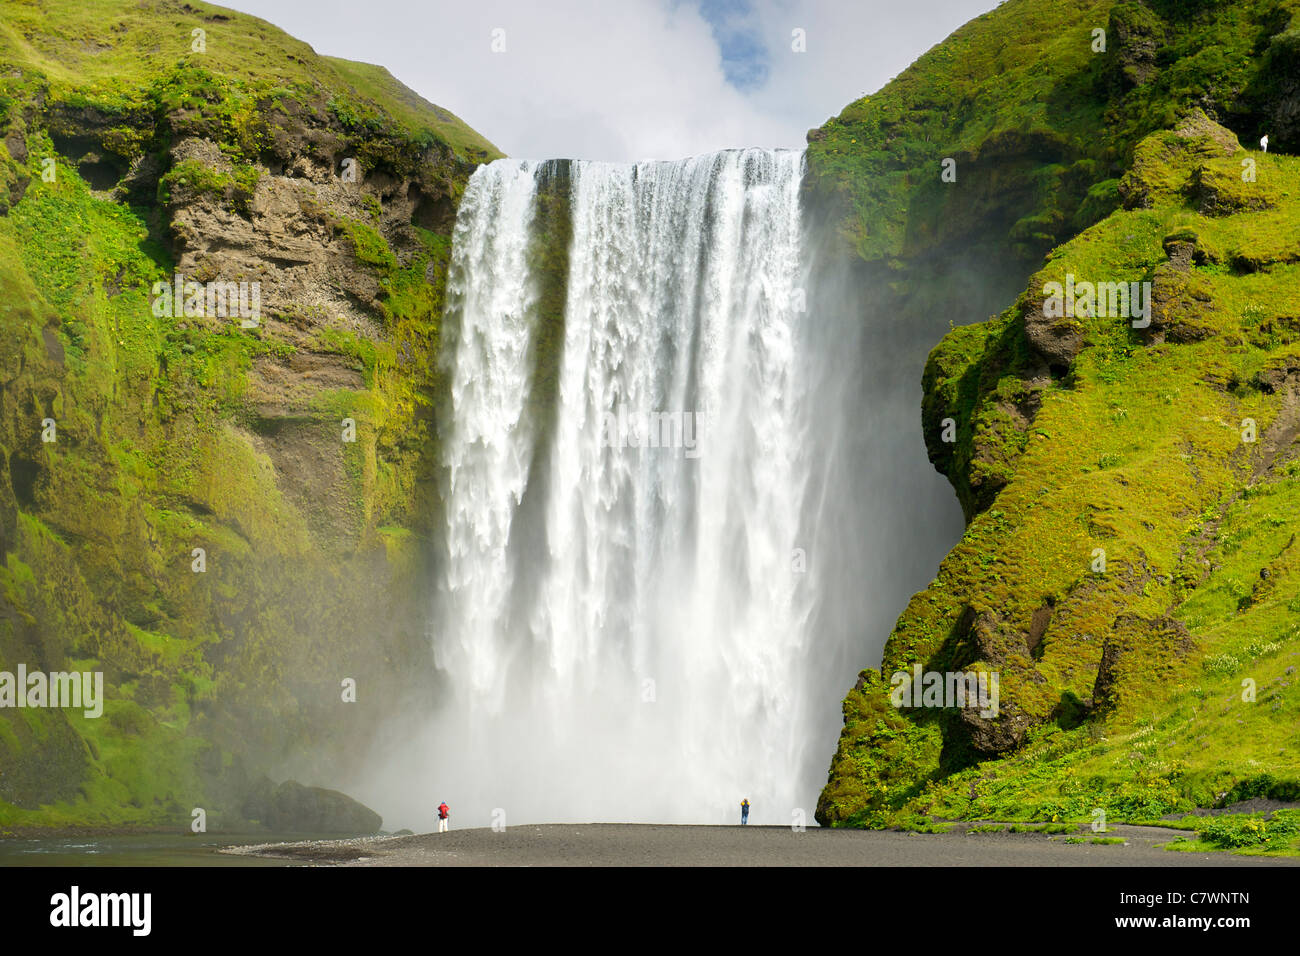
[1264, 143]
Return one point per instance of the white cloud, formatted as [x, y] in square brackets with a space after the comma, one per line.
[623, 80]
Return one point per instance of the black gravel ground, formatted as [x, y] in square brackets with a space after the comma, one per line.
[608, 844]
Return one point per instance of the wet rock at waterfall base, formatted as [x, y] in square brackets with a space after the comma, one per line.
[294, 808]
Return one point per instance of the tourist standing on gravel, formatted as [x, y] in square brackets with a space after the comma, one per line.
[443, 813]
[744, 811]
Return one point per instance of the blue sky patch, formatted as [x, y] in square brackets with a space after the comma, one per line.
[744, 54]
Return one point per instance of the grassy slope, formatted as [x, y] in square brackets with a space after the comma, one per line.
[1040, 125]
[100, 48]
[158, 451]
[1135, 449]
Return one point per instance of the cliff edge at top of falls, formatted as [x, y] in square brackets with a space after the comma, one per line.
[200, 523]
[1130, 479]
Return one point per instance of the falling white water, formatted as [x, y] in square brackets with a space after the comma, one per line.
[628, 628]
[623, 627]
[490, 453]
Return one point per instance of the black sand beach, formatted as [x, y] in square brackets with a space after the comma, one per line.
[607, 844]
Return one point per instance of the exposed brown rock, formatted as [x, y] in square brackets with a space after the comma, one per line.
[1056, 340]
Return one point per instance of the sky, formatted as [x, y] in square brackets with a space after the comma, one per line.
[624, 80]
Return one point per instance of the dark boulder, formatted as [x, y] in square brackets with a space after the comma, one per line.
[994, 735]
[1054, 339]
[294, 808]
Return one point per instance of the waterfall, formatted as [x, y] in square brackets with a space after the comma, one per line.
[646, 455]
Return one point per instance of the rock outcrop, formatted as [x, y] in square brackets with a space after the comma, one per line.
[228, 513]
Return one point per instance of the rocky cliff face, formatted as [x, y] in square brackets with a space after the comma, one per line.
[229, 513]
[1125, 571]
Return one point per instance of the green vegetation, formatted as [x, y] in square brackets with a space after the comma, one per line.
[922, 824]
[548, 254]
[1236, 832]
[1163, 681]
[1043, 828]
[1276, 834]
[177, 434]
[1039, 123]
[105, 53]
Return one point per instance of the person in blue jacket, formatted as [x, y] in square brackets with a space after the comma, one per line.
[744, 812]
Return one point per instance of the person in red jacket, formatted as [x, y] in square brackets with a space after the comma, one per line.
[443, 813]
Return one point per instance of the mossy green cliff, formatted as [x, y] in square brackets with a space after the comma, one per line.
[142, 140]
[1129, 567]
